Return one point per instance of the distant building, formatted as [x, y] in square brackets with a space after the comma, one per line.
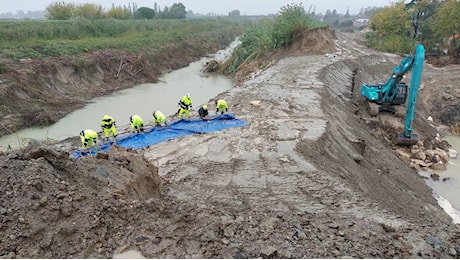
[362, 20]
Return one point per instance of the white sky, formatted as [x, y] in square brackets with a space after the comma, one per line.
[223, 7]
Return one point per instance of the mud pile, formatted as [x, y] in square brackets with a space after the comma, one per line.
[50, 200]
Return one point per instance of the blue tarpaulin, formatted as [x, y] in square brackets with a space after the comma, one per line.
[160, 134]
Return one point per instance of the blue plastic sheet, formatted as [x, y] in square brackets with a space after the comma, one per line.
[160, 134]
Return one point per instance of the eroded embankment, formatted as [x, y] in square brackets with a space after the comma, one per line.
[362, 146]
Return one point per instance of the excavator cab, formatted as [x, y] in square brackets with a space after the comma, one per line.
[401, 94]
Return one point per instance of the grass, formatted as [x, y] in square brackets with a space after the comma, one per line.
[39, 39]
[270, 34]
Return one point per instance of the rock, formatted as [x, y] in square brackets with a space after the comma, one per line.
[102, 171]
[420, 162]
[439, 166]
[444, 156]
[420, 155]
[268, 252]
[452, 154]
[434, 177]
[404, 156]
[255, 102]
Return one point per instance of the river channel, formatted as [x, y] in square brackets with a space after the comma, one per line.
[141, 99]
[447, 189]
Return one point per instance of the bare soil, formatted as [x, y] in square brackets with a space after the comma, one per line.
[312, 176]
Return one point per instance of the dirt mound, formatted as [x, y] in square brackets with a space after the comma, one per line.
[315, 41]
[309, 42]
[50, 200]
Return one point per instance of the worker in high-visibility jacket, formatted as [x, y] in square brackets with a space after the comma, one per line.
[137, 123]
[159, 119]
[108, 126]
[185, 105]
[221, 106]
[88, 138]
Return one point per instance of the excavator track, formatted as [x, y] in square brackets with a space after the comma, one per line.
[373, 108]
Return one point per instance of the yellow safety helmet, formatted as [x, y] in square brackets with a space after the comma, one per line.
[205, 107]
[106, 117]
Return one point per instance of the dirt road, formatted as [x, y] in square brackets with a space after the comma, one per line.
[310, 177]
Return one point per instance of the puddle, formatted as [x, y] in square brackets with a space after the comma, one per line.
[130, 254]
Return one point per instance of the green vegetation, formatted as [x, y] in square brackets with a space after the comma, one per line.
[438, 26]
[272, 33]
[38, 39]
[60, 10]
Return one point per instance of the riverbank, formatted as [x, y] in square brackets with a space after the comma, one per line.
[310, 177]
[52, 87]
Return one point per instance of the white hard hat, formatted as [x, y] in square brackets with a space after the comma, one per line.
[189, 95]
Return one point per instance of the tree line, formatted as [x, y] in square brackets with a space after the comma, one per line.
[434, 23]
[61, 10]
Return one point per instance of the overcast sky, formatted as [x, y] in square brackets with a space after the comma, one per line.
[246, 7]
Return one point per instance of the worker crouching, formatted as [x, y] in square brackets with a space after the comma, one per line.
[137, 124]
[221, 106]
[159, 119]
[88, 138]
[108, 126]
[203, 112]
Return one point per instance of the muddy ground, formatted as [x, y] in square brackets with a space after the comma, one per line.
[312, 176]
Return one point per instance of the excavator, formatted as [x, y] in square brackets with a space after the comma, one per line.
[392, 95]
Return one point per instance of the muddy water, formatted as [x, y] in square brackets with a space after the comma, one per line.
[142, 100]
[447, 189]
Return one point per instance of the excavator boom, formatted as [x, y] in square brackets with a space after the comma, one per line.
[407, 137]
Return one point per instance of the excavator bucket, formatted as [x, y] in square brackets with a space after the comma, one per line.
[406, 140]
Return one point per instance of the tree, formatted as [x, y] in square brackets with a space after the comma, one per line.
[234, 13]
[177, 11]
[393, 20]
[347, 14]
[331, 17]
[144, 13]
[119, 12]
[446, 22]
[60, 11]
[89, 11]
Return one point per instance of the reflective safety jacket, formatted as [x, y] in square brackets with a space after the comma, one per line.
[221, 103]
[185, 102]
[136, 120]
[88, 136]
[159, 117]
[107, 122]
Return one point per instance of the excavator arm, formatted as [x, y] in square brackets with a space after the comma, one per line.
[391, 93]
[394, 92]
[407, 137]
